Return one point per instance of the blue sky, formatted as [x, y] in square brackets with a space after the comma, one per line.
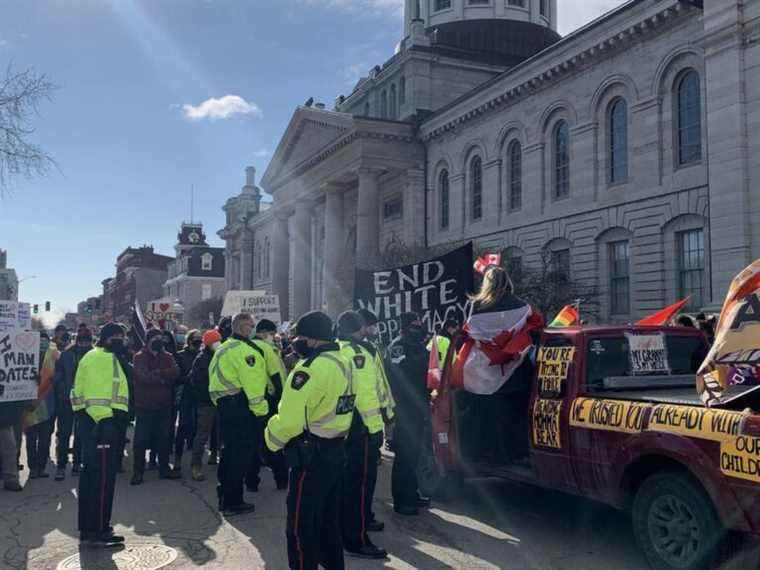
[159, 95]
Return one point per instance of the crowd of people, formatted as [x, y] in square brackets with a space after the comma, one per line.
[313, 406]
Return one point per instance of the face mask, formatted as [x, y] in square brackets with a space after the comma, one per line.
[156, 345]
[116, 346]
[180, 339]
[44, 345]
[195, 345]
[83, 347]
[416, 332]
[302, 348]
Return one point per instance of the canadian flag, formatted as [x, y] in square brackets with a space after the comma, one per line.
[484, 262]
[496, 345]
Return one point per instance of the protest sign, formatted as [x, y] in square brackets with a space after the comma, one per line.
[24, 314]
[258, 303]
[19, 366]
[435, 289]
[648, 354]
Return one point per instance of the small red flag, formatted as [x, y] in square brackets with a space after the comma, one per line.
[663, 317]
[434, 366]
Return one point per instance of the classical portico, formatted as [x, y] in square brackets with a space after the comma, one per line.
[343, 187]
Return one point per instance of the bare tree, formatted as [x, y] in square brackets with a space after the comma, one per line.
[21, 93]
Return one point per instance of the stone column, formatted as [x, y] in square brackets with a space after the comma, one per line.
[335, 238]
[301, 251]
[367, 218]
[731, 204]
[415, 196]
[281, 262]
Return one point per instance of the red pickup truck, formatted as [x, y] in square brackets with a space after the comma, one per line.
[611, 413]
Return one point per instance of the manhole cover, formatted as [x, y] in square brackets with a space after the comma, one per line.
[144, 557]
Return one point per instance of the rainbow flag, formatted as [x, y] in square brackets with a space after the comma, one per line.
[44, 406]
[663, 317]
[569, 316]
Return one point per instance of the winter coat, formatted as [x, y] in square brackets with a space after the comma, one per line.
[154, 377]
[65, 372]
[199, 377]
[407, 365]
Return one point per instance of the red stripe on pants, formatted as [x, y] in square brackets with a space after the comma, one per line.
[297, 517]
[103, 457]
[364, 491]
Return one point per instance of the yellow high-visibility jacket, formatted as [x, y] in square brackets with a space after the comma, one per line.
[367, 384]
[239, 367]
[100, 385]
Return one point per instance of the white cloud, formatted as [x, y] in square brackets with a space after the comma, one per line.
[225, 107]
[261, 153]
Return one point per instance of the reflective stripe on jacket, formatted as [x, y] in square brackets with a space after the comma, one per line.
[318, 397]
[239, 367]
[367, 384]
[100, 385]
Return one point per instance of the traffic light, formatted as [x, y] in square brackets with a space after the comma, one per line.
[36, 309]
[88, 310]
[47, 306]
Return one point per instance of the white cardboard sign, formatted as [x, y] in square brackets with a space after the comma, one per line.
[260, 304]
[19, 365]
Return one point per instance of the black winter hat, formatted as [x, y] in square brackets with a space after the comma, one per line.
[315, 325]
[225, 327]
[369, 317]
[153, 333]
[109, 330]
[408, 318]
[266, 326]
[349, 322]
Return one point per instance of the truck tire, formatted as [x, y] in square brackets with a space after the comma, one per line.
[674, 522]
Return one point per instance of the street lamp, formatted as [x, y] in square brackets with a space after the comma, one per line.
[27, 278]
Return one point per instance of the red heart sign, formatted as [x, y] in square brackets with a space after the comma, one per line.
[164, 307]
[26, 341]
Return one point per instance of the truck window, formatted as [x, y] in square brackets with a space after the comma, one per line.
[609, 357]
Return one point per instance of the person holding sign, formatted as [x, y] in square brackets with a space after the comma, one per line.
[100, 395]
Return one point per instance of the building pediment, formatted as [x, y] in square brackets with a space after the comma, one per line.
[310, 130]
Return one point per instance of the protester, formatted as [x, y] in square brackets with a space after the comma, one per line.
[133, 343]
[363, 441]
[154, 374]
[237, 386]
[444, 339]
[205, 410]
[100, 396]
[407, 359]
[61, 337]
[39, 417]
[264, 341]
[314, 416]
[10, 421]
[187, 407]
[63, 382]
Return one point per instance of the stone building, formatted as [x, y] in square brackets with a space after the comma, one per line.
[624, 153]
[8, 279]
[140, 276]
[197, 272]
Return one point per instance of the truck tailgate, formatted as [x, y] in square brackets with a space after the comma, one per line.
[734, 398]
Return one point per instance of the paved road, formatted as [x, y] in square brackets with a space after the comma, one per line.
[493, 525]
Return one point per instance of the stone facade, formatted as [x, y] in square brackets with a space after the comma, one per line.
[626, 151]
[8, 279]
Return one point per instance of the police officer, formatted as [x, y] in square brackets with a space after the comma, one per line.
[363, 442]
[237, 387]
[264, 343]
[387, 403]
[100, 399]
[408, 360]
[312, 423]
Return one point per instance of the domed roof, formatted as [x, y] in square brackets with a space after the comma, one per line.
[496, 41]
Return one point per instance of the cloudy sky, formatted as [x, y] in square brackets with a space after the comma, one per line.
[159, 95]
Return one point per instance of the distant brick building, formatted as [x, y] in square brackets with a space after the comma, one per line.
[140, 275]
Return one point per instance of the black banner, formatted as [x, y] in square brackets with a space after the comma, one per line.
[435, 289]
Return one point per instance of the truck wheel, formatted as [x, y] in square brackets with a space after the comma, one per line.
[674, 523]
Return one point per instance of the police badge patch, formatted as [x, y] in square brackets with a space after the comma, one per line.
[299, 380]
[250, 360]
[359, 361]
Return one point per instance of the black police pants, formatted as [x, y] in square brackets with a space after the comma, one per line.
[256, 433]
[66, 426]
[235, 427]
[263, 456]
[407, 444]
[359, 478]
[97, 481]
[152, 430]
[38, 444]
[314, 504]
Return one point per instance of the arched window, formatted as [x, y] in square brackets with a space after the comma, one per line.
[476, 188]
[618, 141]
[402, 91]
[561, 160]
[384, 105]
[392, 105]
[443, 196]
[689, 119]
[514, 161]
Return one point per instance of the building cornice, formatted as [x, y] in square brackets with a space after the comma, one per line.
[530, 77]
